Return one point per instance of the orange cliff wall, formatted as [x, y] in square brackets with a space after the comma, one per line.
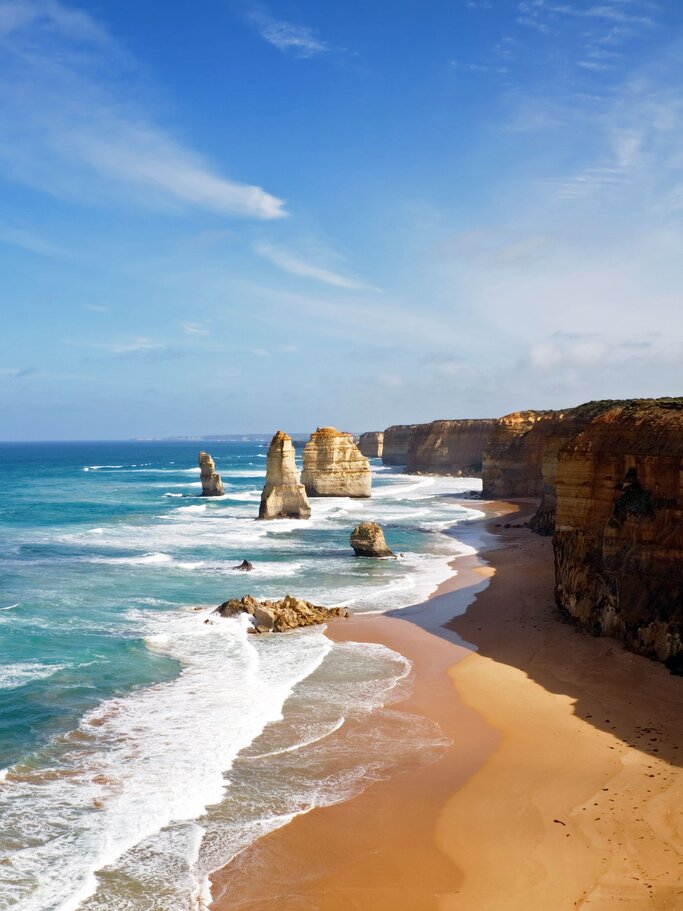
[513, 457]
[396, 444]
[618, 539]
[449, 447]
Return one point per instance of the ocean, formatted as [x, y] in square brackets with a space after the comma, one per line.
[142, 747]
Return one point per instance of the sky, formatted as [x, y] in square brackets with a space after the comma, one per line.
[233, 217]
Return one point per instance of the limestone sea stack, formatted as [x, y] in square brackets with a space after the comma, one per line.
[371, 444]
[334, 467]
[279, 616]
[283, 496]
[367, 540]
[513, 455]
[449, 447]
[212, 486]
[396, 444]
[619, 527]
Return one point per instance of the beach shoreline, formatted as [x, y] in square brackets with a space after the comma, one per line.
[558, 789]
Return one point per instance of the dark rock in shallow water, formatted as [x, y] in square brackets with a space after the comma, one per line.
[367, 540]
[279, 616]
[244, 567]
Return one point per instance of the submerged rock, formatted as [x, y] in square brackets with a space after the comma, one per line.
[279, 616]
[283, 496]
[334, 466]
[212, 486]
[244, 567]
[367, 540]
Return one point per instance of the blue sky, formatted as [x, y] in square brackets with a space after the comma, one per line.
[233, 217]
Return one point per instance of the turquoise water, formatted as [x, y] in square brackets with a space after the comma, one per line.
[131, 729]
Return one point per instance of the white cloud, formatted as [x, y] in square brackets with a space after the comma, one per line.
[295, 265]
[299, 40]
[195, 329]
[69, 123]
[27, 239]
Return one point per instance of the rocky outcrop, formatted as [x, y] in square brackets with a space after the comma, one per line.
[513, 455]
[283, 495]
[618, 539]
[212, 486]
[334, 467]
[449, 447]
[565, 426]
[371, 444]
[367, 540]
[397, 443]
[244, 567]
[279, 616]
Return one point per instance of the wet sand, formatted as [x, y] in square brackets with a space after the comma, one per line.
[561, 789]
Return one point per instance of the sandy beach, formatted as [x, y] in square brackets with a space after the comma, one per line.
[561, 788]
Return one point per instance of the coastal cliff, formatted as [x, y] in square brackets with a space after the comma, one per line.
[334, 467]
[556, 434]
[513, 456]
[618, 539]
[449, 447]
[371, 444]
[212, 486]
[396, 444]
[283, 496]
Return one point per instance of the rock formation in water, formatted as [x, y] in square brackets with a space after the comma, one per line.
[449, 447]
[619, 527]
[334, 467]
[371, 444]
[212, 486]
[514, 454]
[283, 496]
[397, 443]
[244, 567]
[367, 540]
[556, 434]
[279, 616]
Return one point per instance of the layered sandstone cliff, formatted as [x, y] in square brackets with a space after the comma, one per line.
[619, 527]
[449, 447]
[371, 444]
[397, 443]
[212, 486]
[283, 496]
[558, 433]
[513, 455]
[334, 467]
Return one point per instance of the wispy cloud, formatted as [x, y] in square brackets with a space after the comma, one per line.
[27, 239]
[298, 40]
[70, 124]
[296, 265]
[195, 329]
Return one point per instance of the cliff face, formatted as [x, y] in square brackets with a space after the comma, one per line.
[565, 426]
[619, 527]
[334, 466]
[283, 496]
[212, 486]
[371, 444]
[449, 447]
[397, 443]
[514, 454]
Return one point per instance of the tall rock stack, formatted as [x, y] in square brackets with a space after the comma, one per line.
[283, 496]
[514, 455]
[334, 466]
[396, 443]
[212, 486]
[619, 527]
[371, 444]
[449, 447]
